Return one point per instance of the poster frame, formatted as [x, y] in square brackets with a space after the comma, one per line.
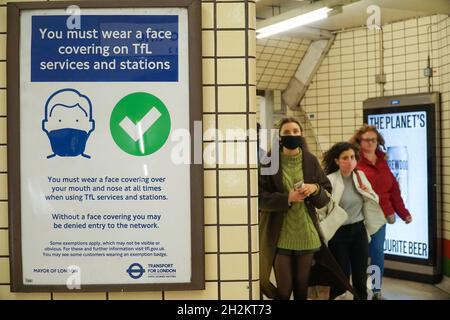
[197, 280]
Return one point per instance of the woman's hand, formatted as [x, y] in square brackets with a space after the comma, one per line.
[364, 188]
[408, 219]
[390, 219]
[307, 189]
[295, 196]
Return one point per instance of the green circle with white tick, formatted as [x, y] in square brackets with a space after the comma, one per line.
[140, 124]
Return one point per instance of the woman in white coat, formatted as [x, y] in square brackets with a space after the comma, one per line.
[353, 192]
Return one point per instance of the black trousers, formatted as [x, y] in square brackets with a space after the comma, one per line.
[350, 248]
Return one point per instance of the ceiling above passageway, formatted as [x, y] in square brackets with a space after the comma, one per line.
[272, 73]
[277, 59]
[355, 14]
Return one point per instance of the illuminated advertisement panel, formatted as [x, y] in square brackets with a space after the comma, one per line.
[405, 134]
[410, 125]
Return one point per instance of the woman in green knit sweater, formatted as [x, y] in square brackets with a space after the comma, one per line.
[289, 237]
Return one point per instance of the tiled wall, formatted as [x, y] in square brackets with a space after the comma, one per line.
[277, 59]
[347, 77]
[229, 94]
[444, 87]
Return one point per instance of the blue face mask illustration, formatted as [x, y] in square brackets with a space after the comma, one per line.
[68, 123]
[68, 142]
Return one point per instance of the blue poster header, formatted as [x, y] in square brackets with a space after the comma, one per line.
[106, 48]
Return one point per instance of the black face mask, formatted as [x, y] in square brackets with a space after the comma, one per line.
[291, 142]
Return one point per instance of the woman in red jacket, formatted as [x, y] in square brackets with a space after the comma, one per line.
[372, 162]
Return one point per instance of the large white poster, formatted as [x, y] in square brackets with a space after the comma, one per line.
[405, 134]
[101, 200]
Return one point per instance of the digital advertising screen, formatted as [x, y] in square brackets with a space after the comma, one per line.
[406, 146]
[410, 126]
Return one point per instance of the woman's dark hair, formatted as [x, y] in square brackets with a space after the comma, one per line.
[329, 165]
[288, 120]
[283, 121]
[356, 139]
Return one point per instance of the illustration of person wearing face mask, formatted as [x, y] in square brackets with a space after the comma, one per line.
[68, 123]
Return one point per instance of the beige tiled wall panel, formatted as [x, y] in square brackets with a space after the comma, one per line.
[252, 125]
[210, 207]
[2, 19]
[3, 182]
[252, 43]
[207, 15]
[254, 182]
[231, 43]
[210, 293]
[254, 238]
[209, 98]
[4, 243]
[254, 210]
[232, 125]
[235, 290]
[234, 239]
[232, 183]
[209, 127]
[208, 71]
[79, 296]
[3, 214]
[4, 270]
[256, 290]
[234, 266]
[210, 157]
[231, 71]
[3, 102]
[232, 99]
[210, 239]
[6, 294]
[251, 16]
[233, 211]
[209, 178]
[444, 83]
[2, 46]
[3, 159]
[232, 155]
[253, 156]
[255, 266]
[2, 74]
[230, 15]
[252, 75]
[211, 271]
[252, 99]
[208, 43]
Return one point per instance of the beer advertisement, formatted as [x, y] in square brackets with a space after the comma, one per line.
[405, 134]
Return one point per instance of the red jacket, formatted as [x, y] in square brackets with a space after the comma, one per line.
[384, 184]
